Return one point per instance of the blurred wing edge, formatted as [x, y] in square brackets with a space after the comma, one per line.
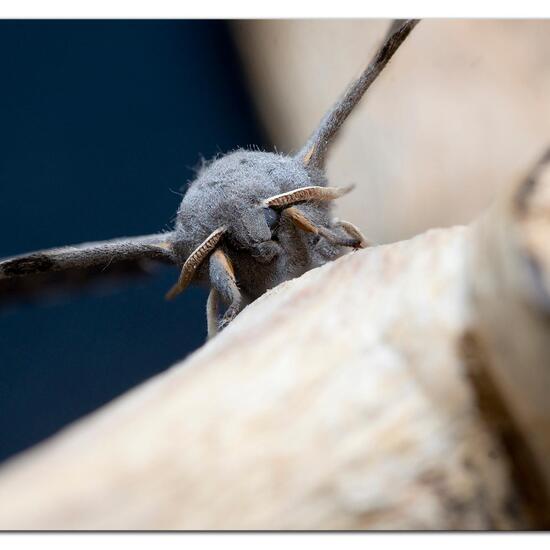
[68, 268]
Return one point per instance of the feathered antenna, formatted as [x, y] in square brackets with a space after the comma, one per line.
[313, 154]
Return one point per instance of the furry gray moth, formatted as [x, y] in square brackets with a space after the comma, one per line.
[249, 221]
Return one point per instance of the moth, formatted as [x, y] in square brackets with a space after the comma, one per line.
[249, 221]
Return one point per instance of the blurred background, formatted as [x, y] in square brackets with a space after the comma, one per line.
[459, 114]
[102, 123]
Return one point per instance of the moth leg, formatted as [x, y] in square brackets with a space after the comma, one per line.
[222, 279]
[353, 231]
[212, 313]
[303, 222]
[340, 240]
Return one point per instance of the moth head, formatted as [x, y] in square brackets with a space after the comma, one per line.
[232, 191]
[237, 201]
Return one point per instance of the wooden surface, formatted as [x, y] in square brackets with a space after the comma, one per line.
[371, 393]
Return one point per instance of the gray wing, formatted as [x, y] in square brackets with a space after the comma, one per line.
[71, 267]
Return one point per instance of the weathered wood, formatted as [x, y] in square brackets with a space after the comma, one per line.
[400, 387]
[510, 285]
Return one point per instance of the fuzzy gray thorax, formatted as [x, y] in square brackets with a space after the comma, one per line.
[229, 192]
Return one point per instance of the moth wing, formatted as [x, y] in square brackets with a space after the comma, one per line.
[72, 267]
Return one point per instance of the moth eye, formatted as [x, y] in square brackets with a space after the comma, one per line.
[271, 217]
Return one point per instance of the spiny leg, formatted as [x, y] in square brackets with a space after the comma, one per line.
[222, 279]
[212, 313]
[340, 240]
[354, 232]
[355, 239]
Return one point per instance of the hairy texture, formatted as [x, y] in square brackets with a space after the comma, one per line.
[244, 191]
[234, 207]
[315, 151]
[231, 192]
[30, 274]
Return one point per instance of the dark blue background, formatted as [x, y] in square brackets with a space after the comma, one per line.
[101, 123]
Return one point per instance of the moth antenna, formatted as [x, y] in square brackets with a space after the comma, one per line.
[305, 194]
[313, 154]
[194, 260]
